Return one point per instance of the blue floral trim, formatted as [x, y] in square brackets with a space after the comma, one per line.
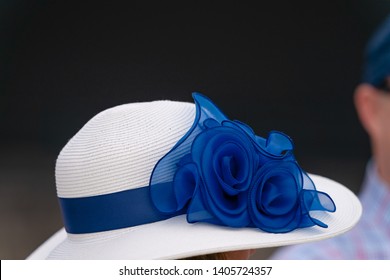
[222, 173]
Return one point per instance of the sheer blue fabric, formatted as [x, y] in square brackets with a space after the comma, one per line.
[222, 173]
[219, 172]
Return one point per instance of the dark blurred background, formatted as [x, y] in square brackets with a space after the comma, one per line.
[285, 66]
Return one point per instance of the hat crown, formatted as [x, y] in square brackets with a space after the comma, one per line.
[119, 147]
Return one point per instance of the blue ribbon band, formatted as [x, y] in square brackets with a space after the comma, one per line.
[110, 211]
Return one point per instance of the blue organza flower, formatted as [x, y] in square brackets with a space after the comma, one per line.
[224, 158]
[222, 173]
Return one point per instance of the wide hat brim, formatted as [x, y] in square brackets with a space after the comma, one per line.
[175, 238]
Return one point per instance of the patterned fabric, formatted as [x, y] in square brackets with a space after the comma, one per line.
[369, 239]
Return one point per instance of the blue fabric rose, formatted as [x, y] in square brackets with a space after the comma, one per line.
[274, 199]
[220, 172]
[225, 159]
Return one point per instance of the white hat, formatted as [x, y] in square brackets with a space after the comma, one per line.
[169, 180]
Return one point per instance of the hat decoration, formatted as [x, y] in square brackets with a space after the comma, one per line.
[220, 172]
